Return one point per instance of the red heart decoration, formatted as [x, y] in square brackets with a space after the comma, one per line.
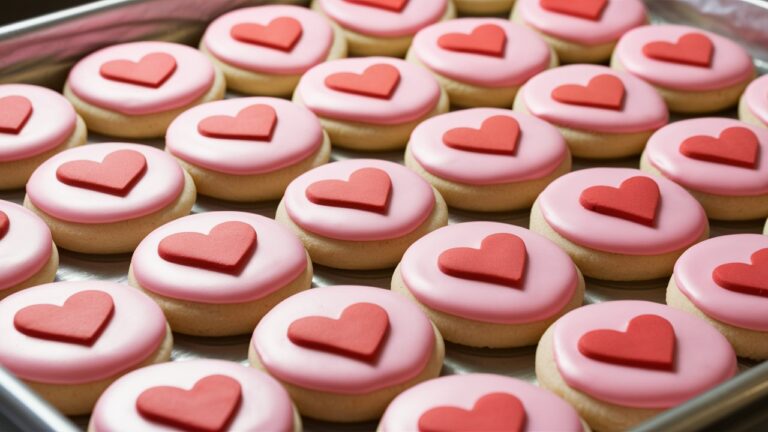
[501, 260]
[14, 113]
[227, 248]
[151, 71]
[603, 91]
[208, 407]
[492, 412]
[735, 146]
[745, 278]
[497, 135]
[379, 81]
[81, 319]
[392, 5]
[256, 122]
[367, 189]
[5, 224]
[487, 39]
[588, 9]
[117, 174]
[281, 33]
[649, 342]
[636, 200]
[693, 49]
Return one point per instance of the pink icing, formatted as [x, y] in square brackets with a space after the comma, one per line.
[643, 108]
[265, 405]
[25, 248]
[540, 149]
[731, 64]
[543, 410]
[756, 98]
[410, 204]
[663, 151]
[380, 22]
[680, 220]
[125, 342]
[703, 357]
[161, 184]
[408, 347]
[193, 78]
[549, 281]
[415, 96]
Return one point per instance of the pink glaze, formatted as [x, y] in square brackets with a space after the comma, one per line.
[265, 405]
[415, 96]
[296, 136]
[126, 341]
[703, 357]
[549, 282]
[643, 108]
[192, 79]
[25, 248]
[410, 204]
[540, 149]
[52, 122]
[375, 21]
[405, 352]
[731, 64]
[663, 151]
[160, 186]
[756, 98]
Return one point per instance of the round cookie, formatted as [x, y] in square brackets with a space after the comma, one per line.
[372, 103]
[247, 149]
[360, 214]
[753, 106]
[720, 161]
[487, 159]
[581, 31]
[105, 198]
[264, 50]
[135, 90]
[344, 352]
[619, 224]
[489, 284]
[621, 362]
[69, 341]
[218, 273]
[35, 124]
[695, 71]
[483, 7]
[602, 113]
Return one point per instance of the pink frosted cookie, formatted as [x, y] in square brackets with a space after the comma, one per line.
[488, 159]
[602, 113]
[70, 340]
[719, 160]
[753, 107]
[218, 273]
[344, 352]
[489, 284]
[247, 149]
[619, 223]
[621, 362]
[104, 198]
[135, 90]
[695, 71]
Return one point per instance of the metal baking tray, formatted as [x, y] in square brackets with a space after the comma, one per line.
[42, 50]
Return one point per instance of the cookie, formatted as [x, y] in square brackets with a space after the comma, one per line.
[135, 90]
[68, 341]
[247, 149]
[483, 7]
[372, 103]
[753, 106]
[344, 352]
[360, 214]
[105, 198]
[695, 71]
[487, 159]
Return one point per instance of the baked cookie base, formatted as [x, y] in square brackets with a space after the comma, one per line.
[483, 7]
[45, 275]
[747, 116]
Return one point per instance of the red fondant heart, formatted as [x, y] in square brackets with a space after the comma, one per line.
[367, 189]
[379, 81]
[358, 333]
[81, 319]
[497, 135]
[735, 146]
[227, 248]
[5, 224]
[487, 39]
[392, 5]
[151, 71]
[649, 342]
[745, 278]
[587, 9]
[117, 174]
[500, 260]
[603, 91]
[208, 407]
[281, 33]
[256, 122]
[635, 200]
[492, 412]
[14, 113]
[693, 49]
